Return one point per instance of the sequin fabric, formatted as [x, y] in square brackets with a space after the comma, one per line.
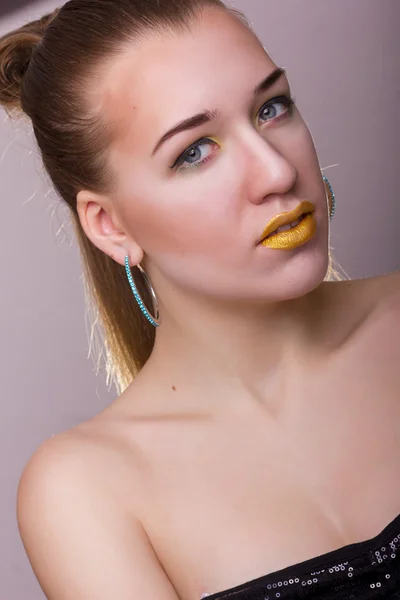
[366, 570]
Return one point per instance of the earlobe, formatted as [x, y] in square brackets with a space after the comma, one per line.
[102, 227]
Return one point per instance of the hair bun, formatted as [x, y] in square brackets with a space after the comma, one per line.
[16, 50]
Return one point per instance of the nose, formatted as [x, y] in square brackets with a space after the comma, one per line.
[268, 170]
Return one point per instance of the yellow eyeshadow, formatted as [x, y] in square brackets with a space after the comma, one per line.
[216, 140]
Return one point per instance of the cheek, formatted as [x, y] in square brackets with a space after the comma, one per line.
[192, 214]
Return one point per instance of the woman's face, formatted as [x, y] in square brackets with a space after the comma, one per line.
[198, 203]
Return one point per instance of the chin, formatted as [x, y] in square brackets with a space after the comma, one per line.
[296, 273]
[304, 273]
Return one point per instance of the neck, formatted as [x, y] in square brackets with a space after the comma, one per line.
[203, 343]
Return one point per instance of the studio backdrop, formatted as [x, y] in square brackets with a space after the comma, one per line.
[342, 60]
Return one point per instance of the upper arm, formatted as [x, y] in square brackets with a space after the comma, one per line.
[78, 543]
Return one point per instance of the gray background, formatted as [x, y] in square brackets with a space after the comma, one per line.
[342, 59]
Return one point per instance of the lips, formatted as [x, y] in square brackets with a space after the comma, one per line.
[286, 218]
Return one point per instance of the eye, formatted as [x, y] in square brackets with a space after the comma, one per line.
[198, 154]
[277, 107]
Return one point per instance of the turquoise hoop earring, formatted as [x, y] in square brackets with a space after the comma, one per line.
[331, 196]
[153, 320]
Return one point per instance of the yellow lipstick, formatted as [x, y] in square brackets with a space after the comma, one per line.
[296, 236]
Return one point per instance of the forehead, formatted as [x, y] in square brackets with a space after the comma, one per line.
[169, 76]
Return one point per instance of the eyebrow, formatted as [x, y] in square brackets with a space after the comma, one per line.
[209, 115]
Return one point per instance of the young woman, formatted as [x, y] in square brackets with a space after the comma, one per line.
[253, 451]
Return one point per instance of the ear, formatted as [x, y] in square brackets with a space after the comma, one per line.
[102, 226]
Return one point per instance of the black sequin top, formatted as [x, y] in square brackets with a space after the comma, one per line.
[364, 570]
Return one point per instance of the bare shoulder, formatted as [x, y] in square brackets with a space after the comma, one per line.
[361, 311]
[380, 293]
[89, 459]
[384, 290]
[83, 453]
[78, 524]
[380, 297]
[383, 295]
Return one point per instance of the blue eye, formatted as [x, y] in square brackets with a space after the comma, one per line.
[276, 108]
[194, 156]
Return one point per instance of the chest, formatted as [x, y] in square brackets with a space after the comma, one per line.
[256, 499]
[231, 501]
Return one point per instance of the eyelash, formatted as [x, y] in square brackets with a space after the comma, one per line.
[287, 101]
